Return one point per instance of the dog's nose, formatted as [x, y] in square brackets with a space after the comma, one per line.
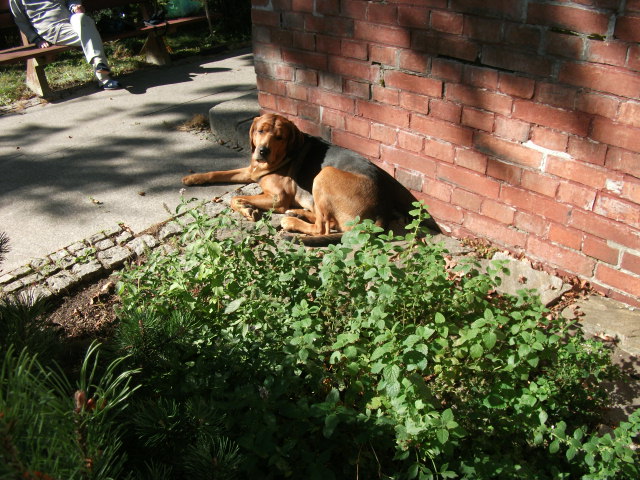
[264, 151]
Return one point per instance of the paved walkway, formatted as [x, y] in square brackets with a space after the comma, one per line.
[89, 162]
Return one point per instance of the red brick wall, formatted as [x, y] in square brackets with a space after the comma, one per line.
[517, 121]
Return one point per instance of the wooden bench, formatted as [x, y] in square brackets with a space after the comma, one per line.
[155, 48]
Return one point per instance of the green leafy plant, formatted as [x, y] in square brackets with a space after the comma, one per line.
[51, 429]
[368, 359]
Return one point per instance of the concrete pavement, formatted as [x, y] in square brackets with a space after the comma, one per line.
[80, 165]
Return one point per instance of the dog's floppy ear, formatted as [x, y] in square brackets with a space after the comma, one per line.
[296, 138]
[252, 131]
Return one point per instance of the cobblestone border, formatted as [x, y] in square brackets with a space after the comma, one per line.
[74, 266]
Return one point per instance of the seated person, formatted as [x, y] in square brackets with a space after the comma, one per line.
[63, 22]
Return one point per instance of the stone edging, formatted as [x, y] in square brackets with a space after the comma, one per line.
[99, 255]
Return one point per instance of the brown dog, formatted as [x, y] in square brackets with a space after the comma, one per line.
[319, 186]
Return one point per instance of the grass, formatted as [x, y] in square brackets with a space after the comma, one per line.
[71, 70]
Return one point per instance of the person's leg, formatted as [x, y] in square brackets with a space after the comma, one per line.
[82, 32]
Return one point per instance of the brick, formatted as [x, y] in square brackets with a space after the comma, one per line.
[446, 131]
[539, 183]
[469, 180]
[383, 34]
[555, 95]
[354, 9]
[357, 89]
[618, 134]
[440, 150]
[387, 96]
[494, 102]
[296, 91]
[414, 61]
[624, 161]
[615, 278]
[448, 22]
[364, 146]
[383, 134]
[410, 141]
[558, 256]
[330, 81]
[383, 54]
[331, 100]
[410, 161]
[617, 209]
[440, 190]
[577, 195]
[441, 210]
[633, 58]
[548, 138]
[382, 13]
[494, 230]
[504, 171]
[628, 28]
[598, 104]
[479, 119]
[446, 70]
[264, 17]
[415, 17]
[315, 61]
[413, 83]
[497, 211]
[631, 190]
[480, 77]
[516, 85]
[325, 7]
[516, 61]
[411, 180]
[384, 114]
[306, 77]
[471, 159]
[467, 200]
[576, 171]
[358, 126]
[485, 29]
[526, 37]
[570, 18]
[531, 223]
[558, 119]
[446, 45]
[599, 249]
[630, 113]
[330, 25]
[330, 45]
[609, 53]
[606, 228]
[564, 45]
[587, 150]
[444, 110]
[631, 262]
[333, 118]
[567, 237]
[351, 68]
[601, 78]
[287, 105]
[511, 129]
[533, 203]
[414, 102]
[512, 152]
[490, 8]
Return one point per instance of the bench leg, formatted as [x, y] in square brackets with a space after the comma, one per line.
[36, 78]
[156, 50]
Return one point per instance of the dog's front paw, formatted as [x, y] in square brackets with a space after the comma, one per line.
[190, 180]
[289, 224]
